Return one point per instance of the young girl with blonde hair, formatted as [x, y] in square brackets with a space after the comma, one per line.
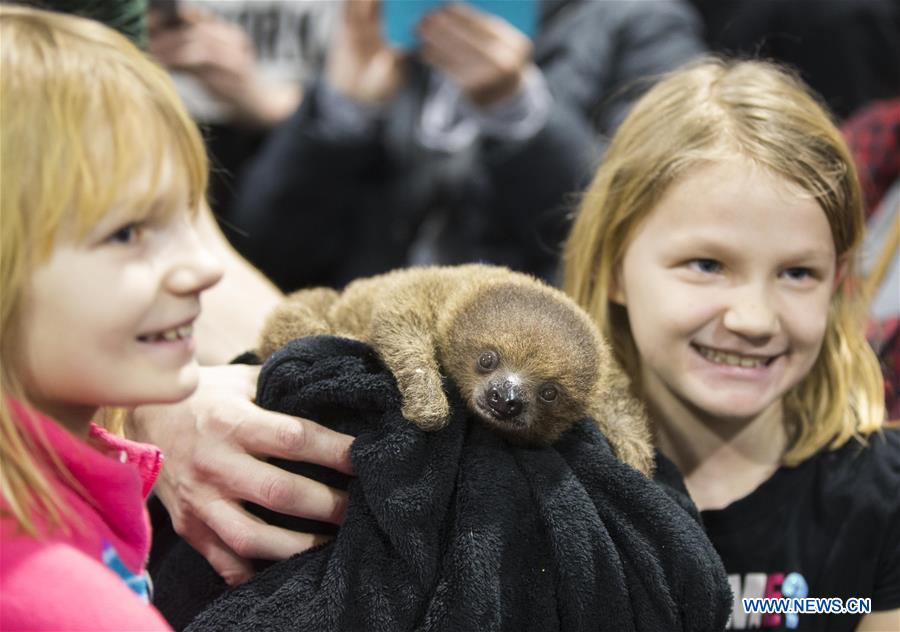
[102, 270]
[715, 248]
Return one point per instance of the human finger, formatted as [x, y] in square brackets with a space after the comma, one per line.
[362, 18]
[282, 491]
[359, 10]
[225, 35]
[445, 58]
[182, 50]
[164, 41]
[230, 566]
[269, 433]
[160, 20]
[485, 36]
[473, 20]
[251, 538]
[461, 52]
[442, 47]
[446, 28]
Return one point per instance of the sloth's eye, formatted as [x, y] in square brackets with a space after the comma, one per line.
[488, 360]
[548, 393]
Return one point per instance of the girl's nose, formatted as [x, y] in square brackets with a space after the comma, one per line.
[196, 268]
[752, 315]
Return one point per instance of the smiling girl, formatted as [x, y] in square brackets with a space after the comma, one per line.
[102, 271]
[714, 249]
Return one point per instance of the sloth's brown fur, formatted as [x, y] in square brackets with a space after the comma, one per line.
[425, 320]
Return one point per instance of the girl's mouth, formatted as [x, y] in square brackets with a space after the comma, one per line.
[183, 332]
[729, 358]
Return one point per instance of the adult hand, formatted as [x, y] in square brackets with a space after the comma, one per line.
[360, 64]
[221, 57]
[485, 55]
[213, 443]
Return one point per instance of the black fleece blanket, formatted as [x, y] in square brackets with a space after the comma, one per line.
[458, 530]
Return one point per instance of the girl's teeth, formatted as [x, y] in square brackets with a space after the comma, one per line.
[179, 333]
[731, 359]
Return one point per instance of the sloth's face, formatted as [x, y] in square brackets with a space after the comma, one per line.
[526, 359]
[520, 404]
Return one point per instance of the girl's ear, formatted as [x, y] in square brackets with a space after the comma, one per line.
[616, 291]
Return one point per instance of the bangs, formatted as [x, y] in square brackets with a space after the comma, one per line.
[138, 163]
[142, 153]
[90, 126]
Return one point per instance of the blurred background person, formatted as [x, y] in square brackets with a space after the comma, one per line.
[469, 148]
[239, 66]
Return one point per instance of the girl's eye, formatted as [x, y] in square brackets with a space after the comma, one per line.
[798, 274]
[706, 266]
[127, 234]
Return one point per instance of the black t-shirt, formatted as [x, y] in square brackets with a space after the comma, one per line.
[827, 528]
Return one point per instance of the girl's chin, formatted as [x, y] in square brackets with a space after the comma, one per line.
[187, 384]
[737, 408]
[171, 389]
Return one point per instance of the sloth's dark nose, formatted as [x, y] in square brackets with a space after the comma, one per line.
[505, 400]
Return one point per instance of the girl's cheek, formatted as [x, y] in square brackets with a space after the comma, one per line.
[687, 306]
[811, 329]
[806, 317]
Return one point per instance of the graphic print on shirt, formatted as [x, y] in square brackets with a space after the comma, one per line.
[140, 584]
[762, 585]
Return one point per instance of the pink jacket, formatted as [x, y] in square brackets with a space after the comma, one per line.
[91, 578]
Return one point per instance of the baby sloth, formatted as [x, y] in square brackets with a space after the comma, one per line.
[528, 361]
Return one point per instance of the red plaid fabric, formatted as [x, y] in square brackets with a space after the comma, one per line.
[884, 336]
[873, 135]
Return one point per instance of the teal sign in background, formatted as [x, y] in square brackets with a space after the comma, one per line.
[399, 17]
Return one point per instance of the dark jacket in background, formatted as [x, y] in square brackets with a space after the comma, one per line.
[846, 50]
[313, 211]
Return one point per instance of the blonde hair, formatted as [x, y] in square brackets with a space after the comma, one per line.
[83, 114]
[712, 110]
